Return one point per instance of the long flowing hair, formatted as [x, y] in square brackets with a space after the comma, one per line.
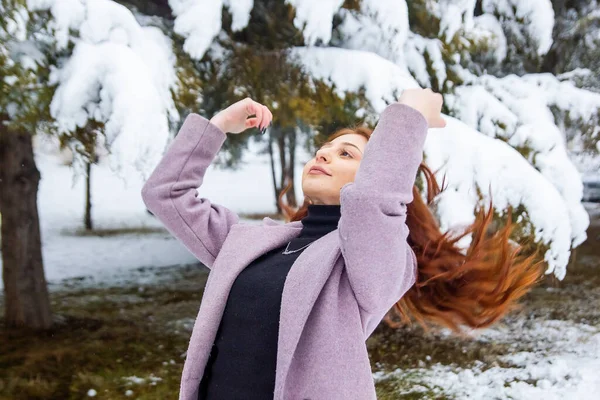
[455, 287]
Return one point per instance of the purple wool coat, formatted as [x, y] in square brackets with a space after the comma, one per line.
[339, 288]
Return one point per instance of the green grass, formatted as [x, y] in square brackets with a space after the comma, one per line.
[102, 336]
[404, 388]
[84, 353]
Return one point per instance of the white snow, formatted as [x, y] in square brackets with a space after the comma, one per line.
[199, 21]
[561, 363]
[454, 15]
[417, 48]
[66, 15]
[314, 18]
[454, 209]
[68, 255]
[351, 69]
[15, 29]
[381, 27]
[486, 27]
[537, 17]
[240, 10]
[134, 379]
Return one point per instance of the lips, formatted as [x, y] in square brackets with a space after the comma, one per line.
[321, 169]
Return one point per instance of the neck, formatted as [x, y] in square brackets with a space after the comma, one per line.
[320, 220]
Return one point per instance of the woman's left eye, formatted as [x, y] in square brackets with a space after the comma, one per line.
[341, 152]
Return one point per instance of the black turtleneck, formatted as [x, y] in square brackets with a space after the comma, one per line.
[244, 355]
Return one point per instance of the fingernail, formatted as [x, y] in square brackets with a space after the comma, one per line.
[263, 130]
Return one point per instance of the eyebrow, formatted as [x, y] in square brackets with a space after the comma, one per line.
[327, 144]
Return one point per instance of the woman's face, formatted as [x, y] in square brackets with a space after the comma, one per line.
[340, 158]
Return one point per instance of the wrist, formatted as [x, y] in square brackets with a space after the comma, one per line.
[217, 121]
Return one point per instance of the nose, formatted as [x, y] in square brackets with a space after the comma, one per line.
[322, 154]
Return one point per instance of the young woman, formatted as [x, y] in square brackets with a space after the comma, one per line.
[287, 308]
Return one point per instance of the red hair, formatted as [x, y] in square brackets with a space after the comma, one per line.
[454, 287]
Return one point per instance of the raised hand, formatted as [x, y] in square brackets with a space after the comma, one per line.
[243, 115]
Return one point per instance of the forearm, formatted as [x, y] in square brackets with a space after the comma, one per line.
[379, 262]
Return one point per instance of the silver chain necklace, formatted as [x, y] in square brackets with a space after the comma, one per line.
[286, 251]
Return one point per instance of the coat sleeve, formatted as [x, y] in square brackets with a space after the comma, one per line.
[170, 192]
[379, 263]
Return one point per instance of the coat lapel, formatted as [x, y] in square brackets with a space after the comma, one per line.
[302, 286]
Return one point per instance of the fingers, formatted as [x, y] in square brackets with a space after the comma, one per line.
[258, 112]
[266, 118]
[251, 122]
[263, 115]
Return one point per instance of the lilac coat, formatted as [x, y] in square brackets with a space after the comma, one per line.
[340, 287]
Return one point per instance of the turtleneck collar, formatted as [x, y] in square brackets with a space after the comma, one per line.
[320, 220]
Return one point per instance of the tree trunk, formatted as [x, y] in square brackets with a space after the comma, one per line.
[291, 194]
[478, 8]
[281, 146]
[272, 159]
[88, 197]
[26, 299]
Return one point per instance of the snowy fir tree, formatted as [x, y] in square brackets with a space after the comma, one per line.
[519, 80]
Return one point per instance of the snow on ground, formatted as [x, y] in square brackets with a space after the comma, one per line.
[69, 255]
[561, 362]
